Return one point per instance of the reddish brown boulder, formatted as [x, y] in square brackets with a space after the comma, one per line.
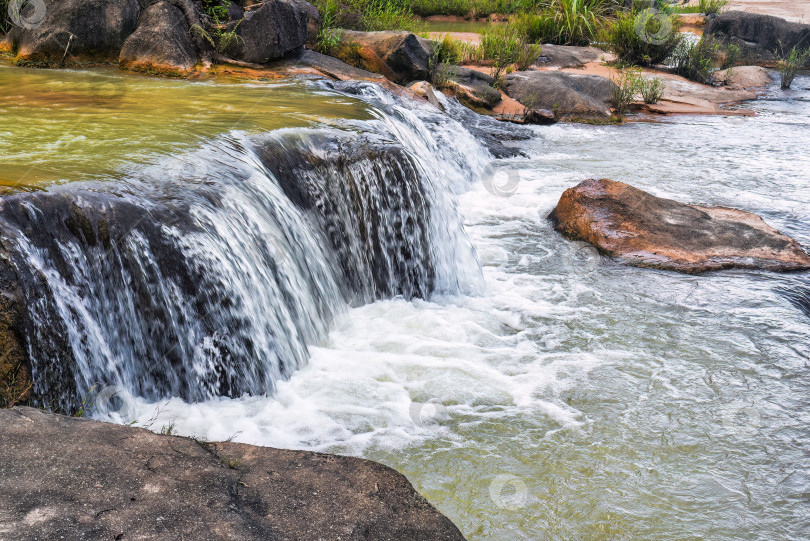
[649, 231]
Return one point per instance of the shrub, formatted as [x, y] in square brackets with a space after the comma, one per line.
[696, 61]
[651, 89]
[644, 38]
[565, 22]
[790, 65]
[624, 93]
[506, 45]
[366, 15]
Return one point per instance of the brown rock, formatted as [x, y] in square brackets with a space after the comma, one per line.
[648, 231]
[402, 57]
[70, 478]
[743, 77]
[161, 43]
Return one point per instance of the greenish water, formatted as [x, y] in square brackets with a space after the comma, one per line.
[58, 125]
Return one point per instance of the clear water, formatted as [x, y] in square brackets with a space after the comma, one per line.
[577, 398]
[572, 397]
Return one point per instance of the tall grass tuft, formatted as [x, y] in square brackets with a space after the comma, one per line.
[696, 61]
[506, 46]
[789, 65]
[624, 93]
[566, 22]
[366, 15]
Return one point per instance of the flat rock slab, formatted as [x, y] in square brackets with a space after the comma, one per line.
[568, 95]
[77, 479]
[649, 231]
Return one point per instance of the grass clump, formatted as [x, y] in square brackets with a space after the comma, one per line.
[707, 7]
[473, 8]
[566, 22]
[624, 93]
[790, 64]
[643, 38]
[506, 46]
[696, 61]
[651, 89]
[366, 15]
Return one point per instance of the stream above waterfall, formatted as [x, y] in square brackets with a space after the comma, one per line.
[527, 387]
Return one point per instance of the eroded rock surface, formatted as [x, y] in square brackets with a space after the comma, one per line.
[759, 35]
[161, 42]
[568, 95]
[649, 231]
[69, 478]
[400, 56]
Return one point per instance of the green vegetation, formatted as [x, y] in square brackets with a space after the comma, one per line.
[624, 93]
[473, 8]
[708, 7]
[651, 89]
[367, 15]
[644, 38]
[5, 22]
[696, 61]
[790, 64]
[566, 22]
[506, 46]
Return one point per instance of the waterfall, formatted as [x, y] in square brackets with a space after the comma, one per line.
[209, 274]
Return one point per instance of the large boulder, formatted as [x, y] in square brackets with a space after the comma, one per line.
[569, 95]
[161, 43]
[759, 35]
[648, 231]
[471, 87]
[275, 29]
[70, 478]
[76, 31]
[402, 57]
[743, 77]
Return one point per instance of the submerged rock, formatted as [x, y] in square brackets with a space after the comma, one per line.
[569, 95]
[161, 42]
[759, 35]
[95, 480]
[649, 231]
[401, 56]
[76, 31]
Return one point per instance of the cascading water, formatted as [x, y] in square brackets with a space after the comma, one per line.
[209, 274]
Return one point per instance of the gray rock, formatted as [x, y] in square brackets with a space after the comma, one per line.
[565, 56]
[268, 33]
[759, 35]
[568, 95]
[99, 29]
[161, 42]
[471, 87]
[400, 56]
[69, 478]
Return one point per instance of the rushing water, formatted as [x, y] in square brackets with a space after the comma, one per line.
[568, 396]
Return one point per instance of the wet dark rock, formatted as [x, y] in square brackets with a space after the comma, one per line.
[70, 478]
[567, 56]
[276, 28]
[649, 231]
[161, 43]
[78, 31]
[542, 117]
[759, 35]
[569, 95]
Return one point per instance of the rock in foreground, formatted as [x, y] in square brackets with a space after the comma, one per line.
[649, 231]
[69, 478]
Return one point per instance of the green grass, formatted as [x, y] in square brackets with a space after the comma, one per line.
[643, 38]
[790, 64]
[506, 46]
[709, 7]
[474, 8]
[696, 61]
[566, 22]
[367, 15]
[624, 93]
